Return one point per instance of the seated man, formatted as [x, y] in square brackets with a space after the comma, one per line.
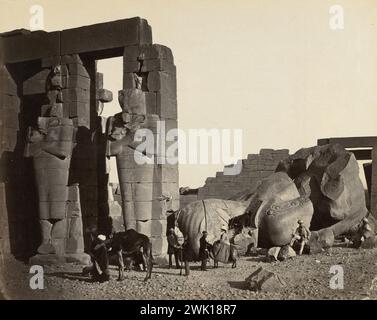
[99, 269]
[301, 236]
[363, 232]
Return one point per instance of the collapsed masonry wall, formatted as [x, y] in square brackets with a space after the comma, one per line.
[254, 168]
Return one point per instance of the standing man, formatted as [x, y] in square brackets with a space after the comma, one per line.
[173, 248]
[204, 251]
[186, 255]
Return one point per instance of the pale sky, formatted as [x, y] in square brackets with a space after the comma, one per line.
[272, 68]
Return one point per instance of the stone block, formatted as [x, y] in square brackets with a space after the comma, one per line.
[10, 120]
[156, 51]
[56, 110]
[70, 95]
[151, 191]
[168, 173]
[159, 245]
[73, 209]
[263, 280]
[104, 95]
[128, 81]
[59, 245]
[151, 228]
[148, 52]
[37, 83]
[108, 35]
[48, 62]
[79, 109]
[77, 81]
[71, 58]
[32, 46]
[162, 82]
[147, 210]
[75, 228]
[286, 252]
[74, 193]
[76, 69]
[158, 65]
[131, 66]
[166, 106]
[137, 175]
[75, 245]
[151, 102]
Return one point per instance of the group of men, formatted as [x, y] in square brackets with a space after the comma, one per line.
[182, 253]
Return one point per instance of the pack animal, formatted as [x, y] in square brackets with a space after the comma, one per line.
[129, 243]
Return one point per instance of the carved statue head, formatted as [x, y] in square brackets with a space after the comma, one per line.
[132, 101]
[56, 77]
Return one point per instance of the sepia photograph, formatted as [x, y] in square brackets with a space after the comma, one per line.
[207, 152]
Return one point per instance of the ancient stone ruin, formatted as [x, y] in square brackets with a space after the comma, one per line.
[55, 147]
[55, 144]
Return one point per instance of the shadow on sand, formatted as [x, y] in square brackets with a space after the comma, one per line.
[242, 285]
[71, 276]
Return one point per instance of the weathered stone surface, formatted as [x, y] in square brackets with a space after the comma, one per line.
[79, 109]
[148, 52]
[80, 95]
[77, 81]
[32, 46]
[286, 252]
[78, 70]
[275, 208]
[158, 65]
[263, 280]
[37, 83]
[151, 228]
[329, 175]
[207, 215]
[163, 82]
[104, 95]
[103, 36]
[159, 245]
[273, 253]
[133, 101]
[166, 106]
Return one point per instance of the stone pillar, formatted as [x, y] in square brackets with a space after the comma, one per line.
[9, 128]
[143, 185]
[56, 145]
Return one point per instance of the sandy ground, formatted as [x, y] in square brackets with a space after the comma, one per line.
[306, 277]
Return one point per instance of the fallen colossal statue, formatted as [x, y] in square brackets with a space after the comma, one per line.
[319, 185]
[329, 176]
